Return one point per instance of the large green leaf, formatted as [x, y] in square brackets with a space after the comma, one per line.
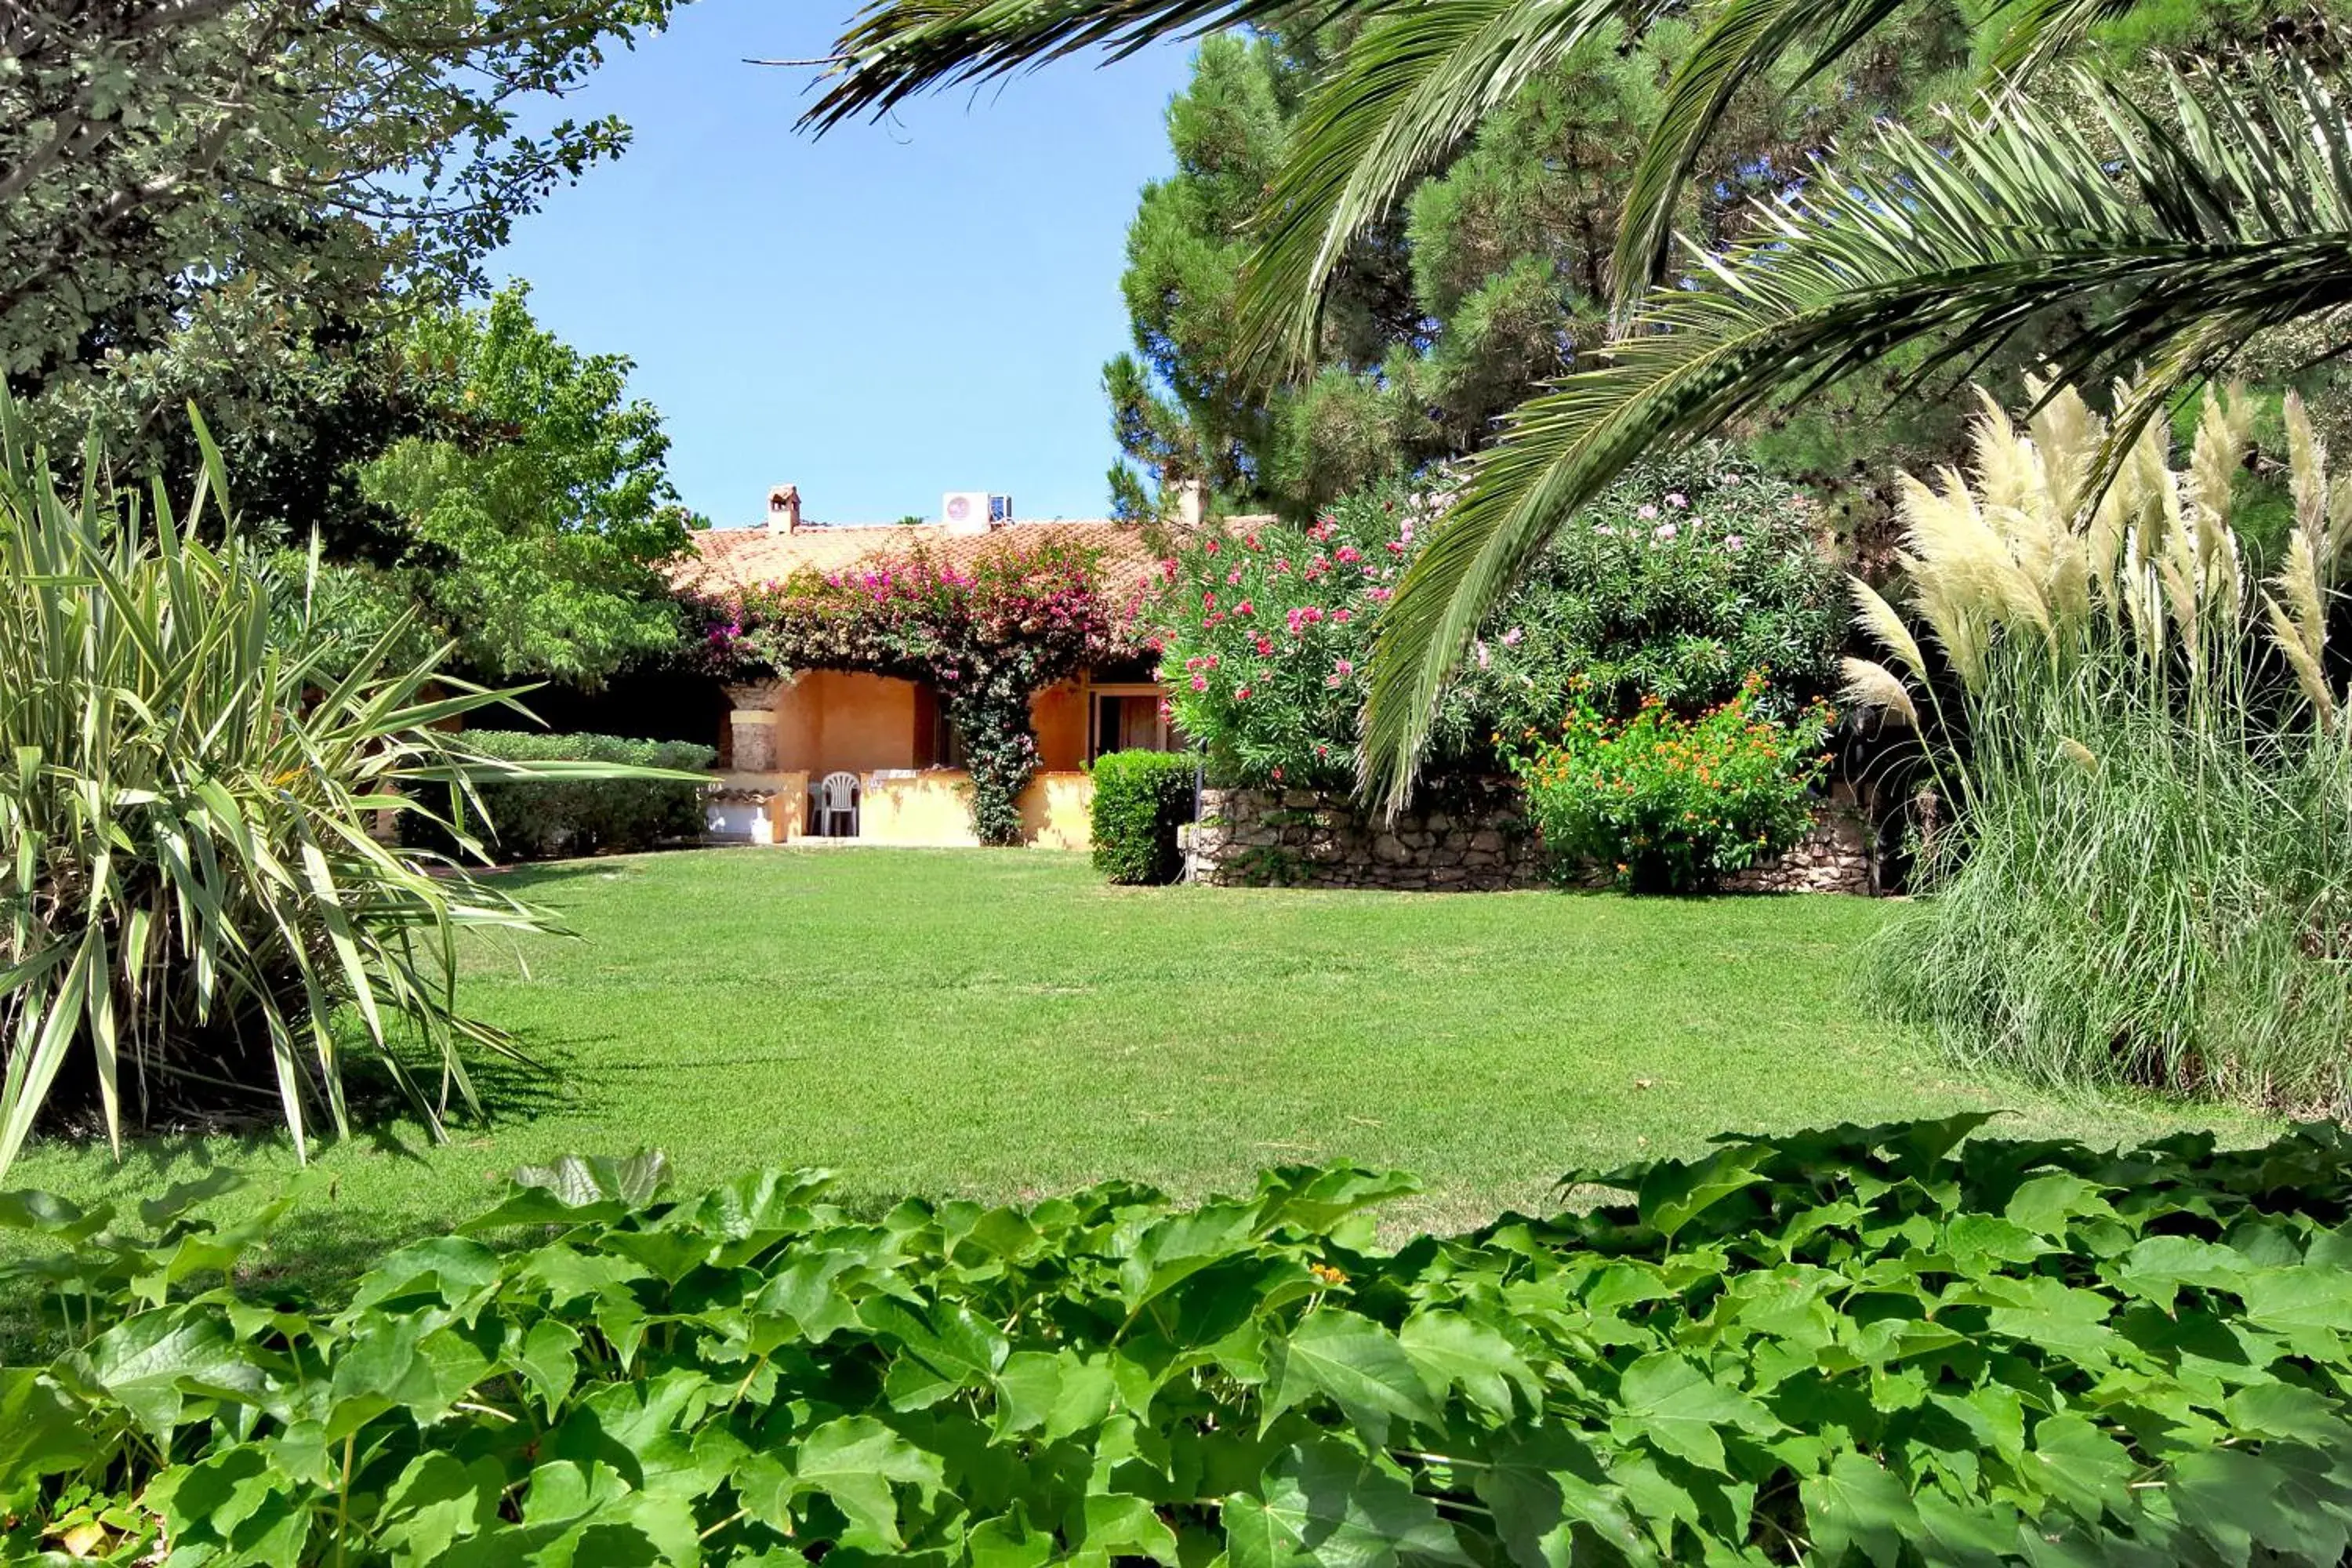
[1323, 1504]
[1353, 1361]
[577, 1191]
[1856, 1507]
[1546, 1491]
[1673, 1192]
[1668, 1400]
[856, 1461]
[1055, 1393]
[41, 1429]
[150, 1364]
[1453, 1351]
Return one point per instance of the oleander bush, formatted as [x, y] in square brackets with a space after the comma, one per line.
[1884, 1346]
[1674, 584]
[1664, 804]
[544, 818]
[2139, 733]
[1141, 799]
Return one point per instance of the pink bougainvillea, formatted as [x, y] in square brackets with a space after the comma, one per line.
[988, 637]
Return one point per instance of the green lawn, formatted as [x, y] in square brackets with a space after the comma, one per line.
[1001, 1024]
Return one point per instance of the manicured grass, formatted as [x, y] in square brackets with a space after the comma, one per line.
[1002, 1023]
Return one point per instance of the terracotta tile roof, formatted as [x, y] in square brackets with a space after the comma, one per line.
[728, 557]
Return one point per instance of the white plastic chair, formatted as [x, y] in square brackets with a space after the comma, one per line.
[836, 802]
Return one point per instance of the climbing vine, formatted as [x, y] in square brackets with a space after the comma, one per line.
[987, 637]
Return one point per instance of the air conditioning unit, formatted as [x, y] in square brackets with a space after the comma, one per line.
[965, 512]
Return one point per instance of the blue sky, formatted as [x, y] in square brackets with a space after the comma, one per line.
[895, 310]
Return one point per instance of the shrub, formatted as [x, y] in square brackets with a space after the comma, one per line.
[1141, 799]
[193, 911]
[1679, 580]
[1857, 1346]
[2143, 879]
[1673, 803]
[544, 818]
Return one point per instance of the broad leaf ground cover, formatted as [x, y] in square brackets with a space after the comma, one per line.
[1862, 1346]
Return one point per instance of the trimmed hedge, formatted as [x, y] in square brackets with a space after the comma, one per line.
[557, 818]
[1876, 1346]
[1141, 799]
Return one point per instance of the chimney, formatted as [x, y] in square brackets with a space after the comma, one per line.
[1191, 502]
[784, 509]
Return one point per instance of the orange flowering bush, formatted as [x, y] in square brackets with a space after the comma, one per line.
[1673, 804]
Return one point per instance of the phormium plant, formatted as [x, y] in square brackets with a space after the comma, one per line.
[194, 912]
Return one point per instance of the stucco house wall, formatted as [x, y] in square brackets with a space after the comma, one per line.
[830, 720]
[787, 735]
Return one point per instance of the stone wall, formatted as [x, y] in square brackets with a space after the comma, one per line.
[1834, 857]
[1477, 838]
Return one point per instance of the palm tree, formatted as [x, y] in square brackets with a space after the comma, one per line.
[2174, 234]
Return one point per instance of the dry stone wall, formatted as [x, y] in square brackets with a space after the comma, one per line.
[1834, 857]
[1477, 838]
[1481, 838]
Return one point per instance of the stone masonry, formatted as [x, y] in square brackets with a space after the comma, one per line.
[1478, 838]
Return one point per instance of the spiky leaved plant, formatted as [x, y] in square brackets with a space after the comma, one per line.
[2149, 880]
[191, 905]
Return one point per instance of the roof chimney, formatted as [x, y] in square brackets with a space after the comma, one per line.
[784, 509]
[1191, 502]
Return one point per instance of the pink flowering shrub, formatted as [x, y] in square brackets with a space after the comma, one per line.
[1674, 585]
[987, 639]
[1267, 635]
[1687, 575]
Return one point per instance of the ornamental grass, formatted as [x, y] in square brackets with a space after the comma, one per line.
[2145, 880]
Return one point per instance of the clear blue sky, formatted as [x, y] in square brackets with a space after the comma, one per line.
[894, 310]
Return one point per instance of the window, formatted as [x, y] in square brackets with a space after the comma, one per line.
[1126, 717]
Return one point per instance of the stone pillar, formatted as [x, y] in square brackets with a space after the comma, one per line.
[754, 725]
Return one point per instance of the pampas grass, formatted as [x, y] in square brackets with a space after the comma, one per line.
[2150, 878]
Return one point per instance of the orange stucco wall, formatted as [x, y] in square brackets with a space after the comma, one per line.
[934, 807]
[1059, 716]
[832, 722]
[828, 721]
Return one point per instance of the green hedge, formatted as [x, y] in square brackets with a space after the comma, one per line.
[546, 820]
[1141, 799]
[1876, 1346]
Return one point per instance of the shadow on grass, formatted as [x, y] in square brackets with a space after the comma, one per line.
[521, 877]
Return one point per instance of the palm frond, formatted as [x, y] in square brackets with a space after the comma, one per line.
[1741, 40]
[897, 49]
[2203, 229]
